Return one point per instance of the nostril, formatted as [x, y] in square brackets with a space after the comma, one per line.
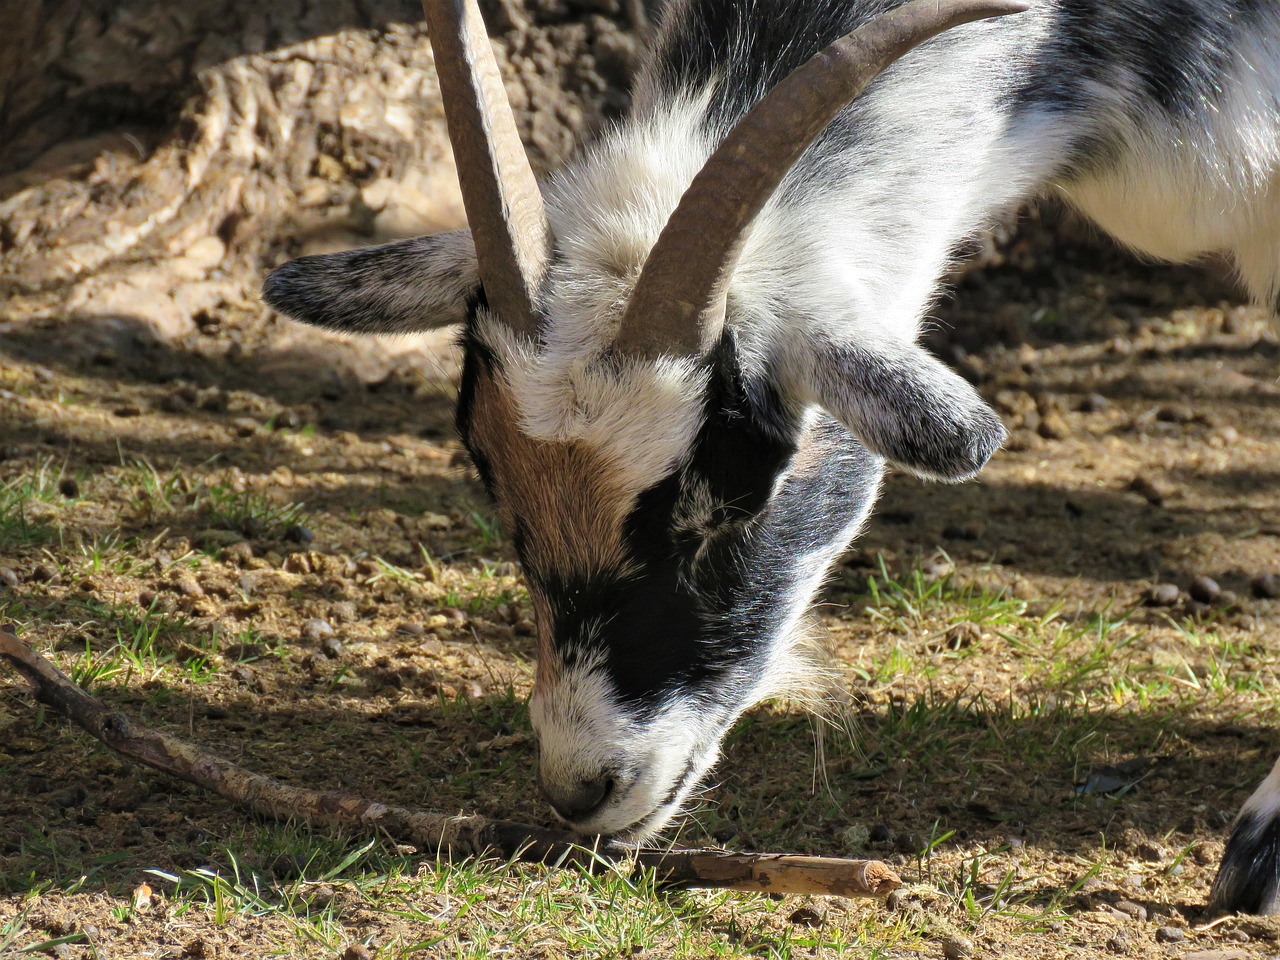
[579, 801]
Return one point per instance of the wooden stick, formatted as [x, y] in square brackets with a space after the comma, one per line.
[445, 834]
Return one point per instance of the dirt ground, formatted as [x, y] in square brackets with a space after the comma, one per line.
[271, 542]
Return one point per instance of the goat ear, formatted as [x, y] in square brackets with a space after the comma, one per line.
[397, 287]
[909, 407]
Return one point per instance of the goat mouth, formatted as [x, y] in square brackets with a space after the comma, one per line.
[637, 831]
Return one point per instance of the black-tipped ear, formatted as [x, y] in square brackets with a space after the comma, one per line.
[400, 287]
[909, 407]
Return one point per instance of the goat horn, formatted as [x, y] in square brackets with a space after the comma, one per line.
[678, 306]
[500, 194]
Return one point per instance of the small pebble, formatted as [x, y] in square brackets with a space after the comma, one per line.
[357, 951]
[1119, 942]
[331, 647]
[410, 629]
[314, 631]
[961, 636]
[297, 533]
[244, 426]
[1174, 415]
[1170, 935]
[956, 947]
[811, 915]
[1146, 488]
[1053, 427]
[1205, 590]
[1163, 595]
[70, 797]
[8, 578]
[186, 586]
[238, 553]
[286, 420]
[68, 487]
[344, 611]
[44, 573]
[1265, 587]
[1134, 910]
[725, 833]
[1093, 403]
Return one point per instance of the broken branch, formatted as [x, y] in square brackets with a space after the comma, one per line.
[447, 835]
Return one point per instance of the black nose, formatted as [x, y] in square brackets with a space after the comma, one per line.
[578, 801]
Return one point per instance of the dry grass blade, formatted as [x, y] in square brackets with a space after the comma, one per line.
[453, 835]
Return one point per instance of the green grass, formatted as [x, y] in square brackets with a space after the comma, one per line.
[157, 495]
[19, 497]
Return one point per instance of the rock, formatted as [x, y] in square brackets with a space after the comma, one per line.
[244, 426]
[1133, 910]
[331, 647]
[1053, 426]
[186, 586]
[811, 915]
[299, 563]
[1093, 403]
[1205, 590]
[956, 947]
[963, 635]
[68, 487]
[316, 631]
[239, 553]
[1266, 586]
[1163, 595]
[1147, 488]
[357, 951]
[46, 573]
[1170, 935]
[70, 797]
[297, 533]
[1171, 414]
[8, 578]
[344, 611]
[1119, 942]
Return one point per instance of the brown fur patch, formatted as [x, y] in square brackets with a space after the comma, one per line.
[569, 501]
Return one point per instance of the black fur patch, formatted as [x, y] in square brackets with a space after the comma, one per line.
[723, 552]
[477, 360]
[1248, 879]
[395, 287]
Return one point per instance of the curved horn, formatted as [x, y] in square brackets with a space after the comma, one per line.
[499, 192]
[678, 305]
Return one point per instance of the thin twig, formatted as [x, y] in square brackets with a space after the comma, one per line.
[427, 830]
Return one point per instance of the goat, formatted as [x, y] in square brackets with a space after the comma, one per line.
[690, 355]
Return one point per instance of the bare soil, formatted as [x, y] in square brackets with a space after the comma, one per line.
[200, 482]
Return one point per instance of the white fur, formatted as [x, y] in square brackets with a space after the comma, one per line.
[1264, 803]
[634, 414]
[582, 730]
